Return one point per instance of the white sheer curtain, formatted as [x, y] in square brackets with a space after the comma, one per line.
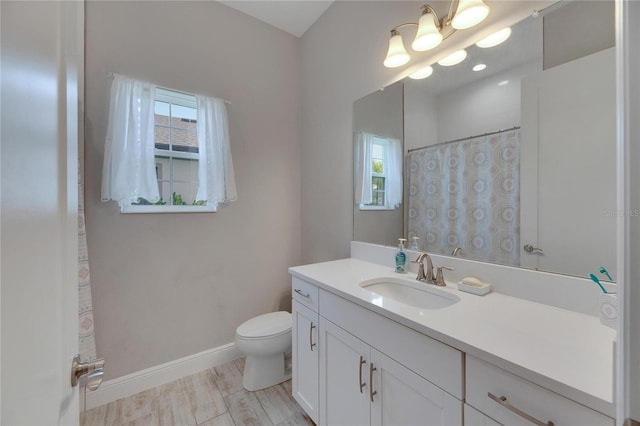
[363, 150]
[215, 173]
[129, 166]
[394, 174]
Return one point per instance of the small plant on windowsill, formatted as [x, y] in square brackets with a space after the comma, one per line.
[199, 202]
[177, 200]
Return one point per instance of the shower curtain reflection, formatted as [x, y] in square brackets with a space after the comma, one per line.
[466, 194]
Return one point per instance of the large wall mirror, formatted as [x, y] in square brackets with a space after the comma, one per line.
[513, 163]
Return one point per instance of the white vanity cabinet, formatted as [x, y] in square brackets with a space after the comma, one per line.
[305, 352]
[363, 360]
[388, 375]
[360, 385]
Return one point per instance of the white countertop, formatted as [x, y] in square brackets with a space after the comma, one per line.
[564, 351]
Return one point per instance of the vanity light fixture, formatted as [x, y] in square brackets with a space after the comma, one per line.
[453, 59]
[422, 73]
[432, 29]
[495, 38]
[479, 67]
[397, 55]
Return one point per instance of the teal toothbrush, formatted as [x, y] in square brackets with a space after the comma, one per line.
[604, 272]
[597, 281]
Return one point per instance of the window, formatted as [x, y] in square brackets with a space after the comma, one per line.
[378, 173]
[166, 151]
[176, 148]
[381, 173]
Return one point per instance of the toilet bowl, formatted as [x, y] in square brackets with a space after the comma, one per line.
[264, 340]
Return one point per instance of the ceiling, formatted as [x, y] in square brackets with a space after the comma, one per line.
[292, 16]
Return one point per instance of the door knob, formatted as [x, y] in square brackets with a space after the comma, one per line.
[94, 370]
[531, 249]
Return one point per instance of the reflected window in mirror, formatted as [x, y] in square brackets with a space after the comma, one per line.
[379, 181]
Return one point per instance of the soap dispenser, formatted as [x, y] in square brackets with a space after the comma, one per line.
[401, 257]
[414, 244]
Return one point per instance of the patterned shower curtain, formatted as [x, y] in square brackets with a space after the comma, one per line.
[87, 336]
[467, 194]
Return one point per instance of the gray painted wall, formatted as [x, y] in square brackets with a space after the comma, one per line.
[169, 285]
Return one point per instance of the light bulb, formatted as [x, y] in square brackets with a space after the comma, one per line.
[454, 58]
[495, 38]
[422, 73]
[396, 55]
[469, 13]
[428, 35]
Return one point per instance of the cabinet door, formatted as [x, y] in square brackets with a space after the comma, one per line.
[473, 417]
[305, 359]
[344, 391]
[402, 397]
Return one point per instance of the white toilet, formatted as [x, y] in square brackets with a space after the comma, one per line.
[264, 340]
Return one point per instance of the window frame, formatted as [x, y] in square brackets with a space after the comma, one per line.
[172, 97]
[384, 143]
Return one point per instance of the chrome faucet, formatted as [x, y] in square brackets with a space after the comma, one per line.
[425, 276]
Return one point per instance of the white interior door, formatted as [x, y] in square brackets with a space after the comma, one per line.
[568, 177]
[42, 45]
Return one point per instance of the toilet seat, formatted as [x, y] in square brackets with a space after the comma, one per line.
[265, 326]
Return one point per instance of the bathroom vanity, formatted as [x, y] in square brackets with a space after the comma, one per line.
[360, 357]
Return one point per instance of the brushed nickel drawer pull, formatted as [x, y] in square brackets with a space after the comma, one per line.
[297, 290]
[503, 401]
[311, 344]
[371, 391]
[362, 385]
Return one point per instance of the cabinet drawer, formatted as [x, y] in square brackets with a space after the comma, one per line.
[509, 399]
[305, 293]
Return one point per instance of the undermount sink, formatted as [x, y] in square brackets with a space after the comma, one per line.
[418, 294]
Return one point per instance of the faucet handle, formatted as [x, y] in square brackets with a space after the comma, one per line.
[440, 275]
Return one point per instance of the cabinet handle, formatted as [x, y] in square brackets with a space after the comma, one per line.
[362, 362]
[503, 401]
[371, 391]
[297, 290]
[311, 344]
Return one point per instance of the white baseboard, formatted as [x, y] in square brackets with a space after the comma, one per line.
[139, 381]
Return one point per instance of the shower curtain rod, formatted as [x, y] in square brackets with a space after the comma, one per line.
[464, 139]
[110, 75]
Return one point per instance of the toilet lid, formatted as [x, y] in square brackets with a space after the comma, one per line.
[265, 325]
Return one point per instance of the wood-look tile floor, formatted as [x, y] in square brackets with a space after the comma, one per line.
[213, 397]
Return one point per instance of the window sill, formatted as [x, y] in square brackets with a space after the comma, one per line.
[167, 209]
[365, 208]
